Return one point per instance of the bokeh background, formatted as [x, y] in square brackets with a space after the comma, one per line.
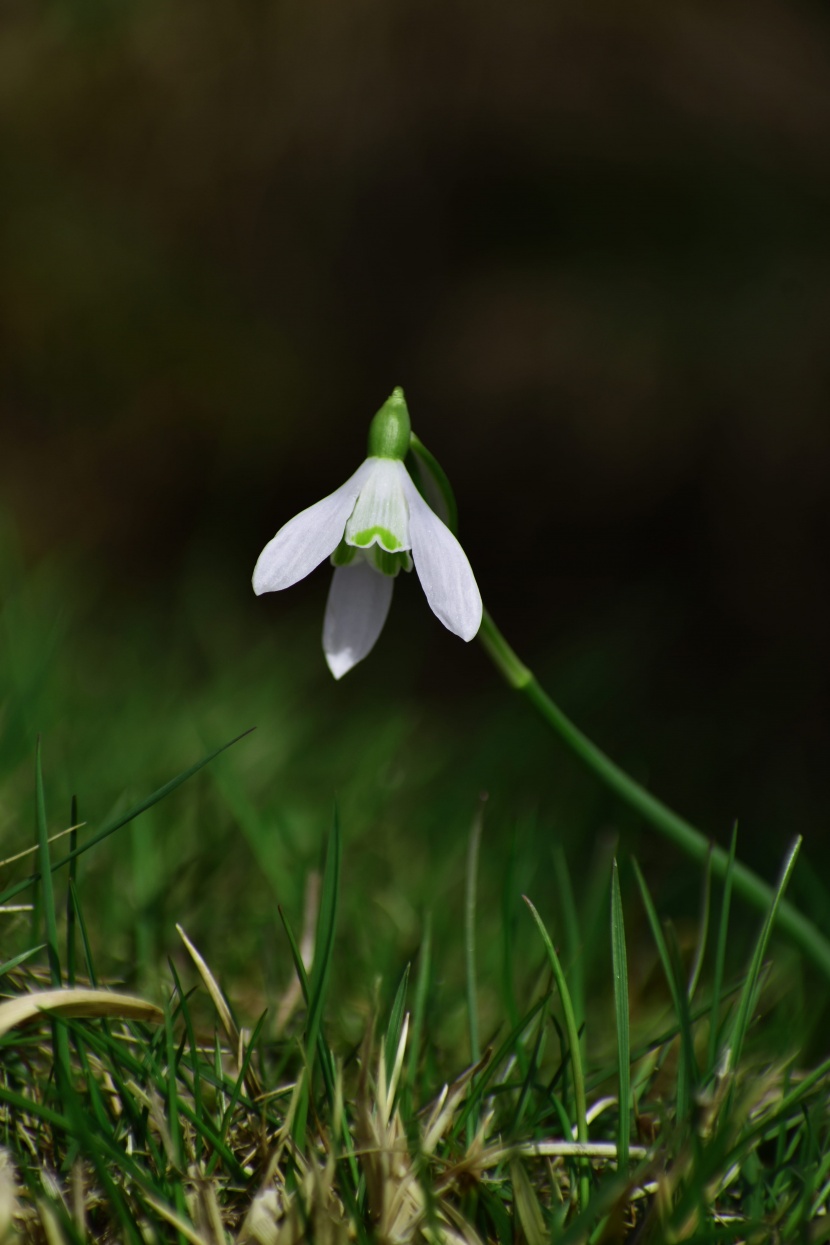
[593, 244]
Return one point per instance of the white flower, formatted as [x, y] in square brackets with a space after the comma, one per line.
[369, 527]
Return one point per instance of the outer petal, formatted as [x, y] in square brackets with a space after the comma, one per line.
[304, 541]
[359, 600]
[445, 574]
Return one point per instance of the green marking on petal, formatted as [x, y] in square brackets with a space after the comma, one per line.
[371, 534]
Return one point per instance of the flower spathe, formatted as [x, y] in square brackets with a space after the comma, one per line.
[373, 526]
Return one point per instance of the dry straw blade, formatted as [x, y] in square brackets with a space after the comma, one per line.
[74, 1004]
[230, 1026]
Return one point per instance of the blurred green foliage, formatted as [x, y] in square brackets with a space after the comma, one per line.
[127, 698]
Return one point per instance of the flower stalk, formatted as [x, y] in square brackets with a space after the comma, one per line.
[673, 827]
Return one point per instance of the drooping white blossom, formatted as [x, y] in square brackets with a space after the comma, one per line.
[372, 527]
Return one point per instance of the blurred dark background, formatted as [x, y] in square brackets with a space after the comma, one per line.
[593, 244]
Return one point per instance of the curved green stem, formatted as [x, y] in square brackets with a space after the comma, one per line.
[440, 479]
[746, 883]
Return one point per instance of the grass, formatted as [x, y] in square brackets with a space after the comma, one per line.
[225, 1021]
[130, 1119]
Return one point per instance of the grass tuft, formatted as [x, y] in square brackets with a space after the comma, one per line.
[653, 1114]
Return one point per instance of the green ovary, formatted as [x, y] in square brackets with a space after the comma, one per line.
[380, 534]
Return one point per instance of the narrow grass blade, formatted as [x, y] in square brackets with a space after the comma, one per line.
[499, 1216]
[175, 1218]
[24, 1104]
[296, 954]
[17, 960]
[687, 1073]
[508, 927]
[720, 953]
[173, 1120]
[470, 933]
[324, 940]
[749, 994]
[619, 961]
[85, 943]
[60, 1040]
[393, 1029]
[528, 1079]
[703, 931]
[574, 1051]
[73, 881]
[125, 818]
[47, 890]
[326, 1060]
[509, 1047]
[191, 1040]
[572, 935]
[528, 1210]
[326, 1063]
[420, 1006]
[314, 984]
[244, 1071]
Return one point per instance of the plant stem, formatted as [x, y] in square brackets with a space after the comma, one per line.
[746, 883]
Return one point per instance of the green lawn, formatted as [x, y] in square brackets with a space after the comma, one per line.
[301, 994]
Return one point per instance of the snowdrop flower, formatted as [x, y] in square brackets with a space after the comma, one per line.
[372, 527]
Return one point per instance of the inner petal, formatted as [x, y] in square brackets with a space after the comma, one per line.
[385, 563]
[381, 515]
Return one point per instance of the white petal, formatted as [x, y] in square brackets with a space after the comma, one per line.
[445, 574]
[359, 600]
[304, 541]
[380, 516]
